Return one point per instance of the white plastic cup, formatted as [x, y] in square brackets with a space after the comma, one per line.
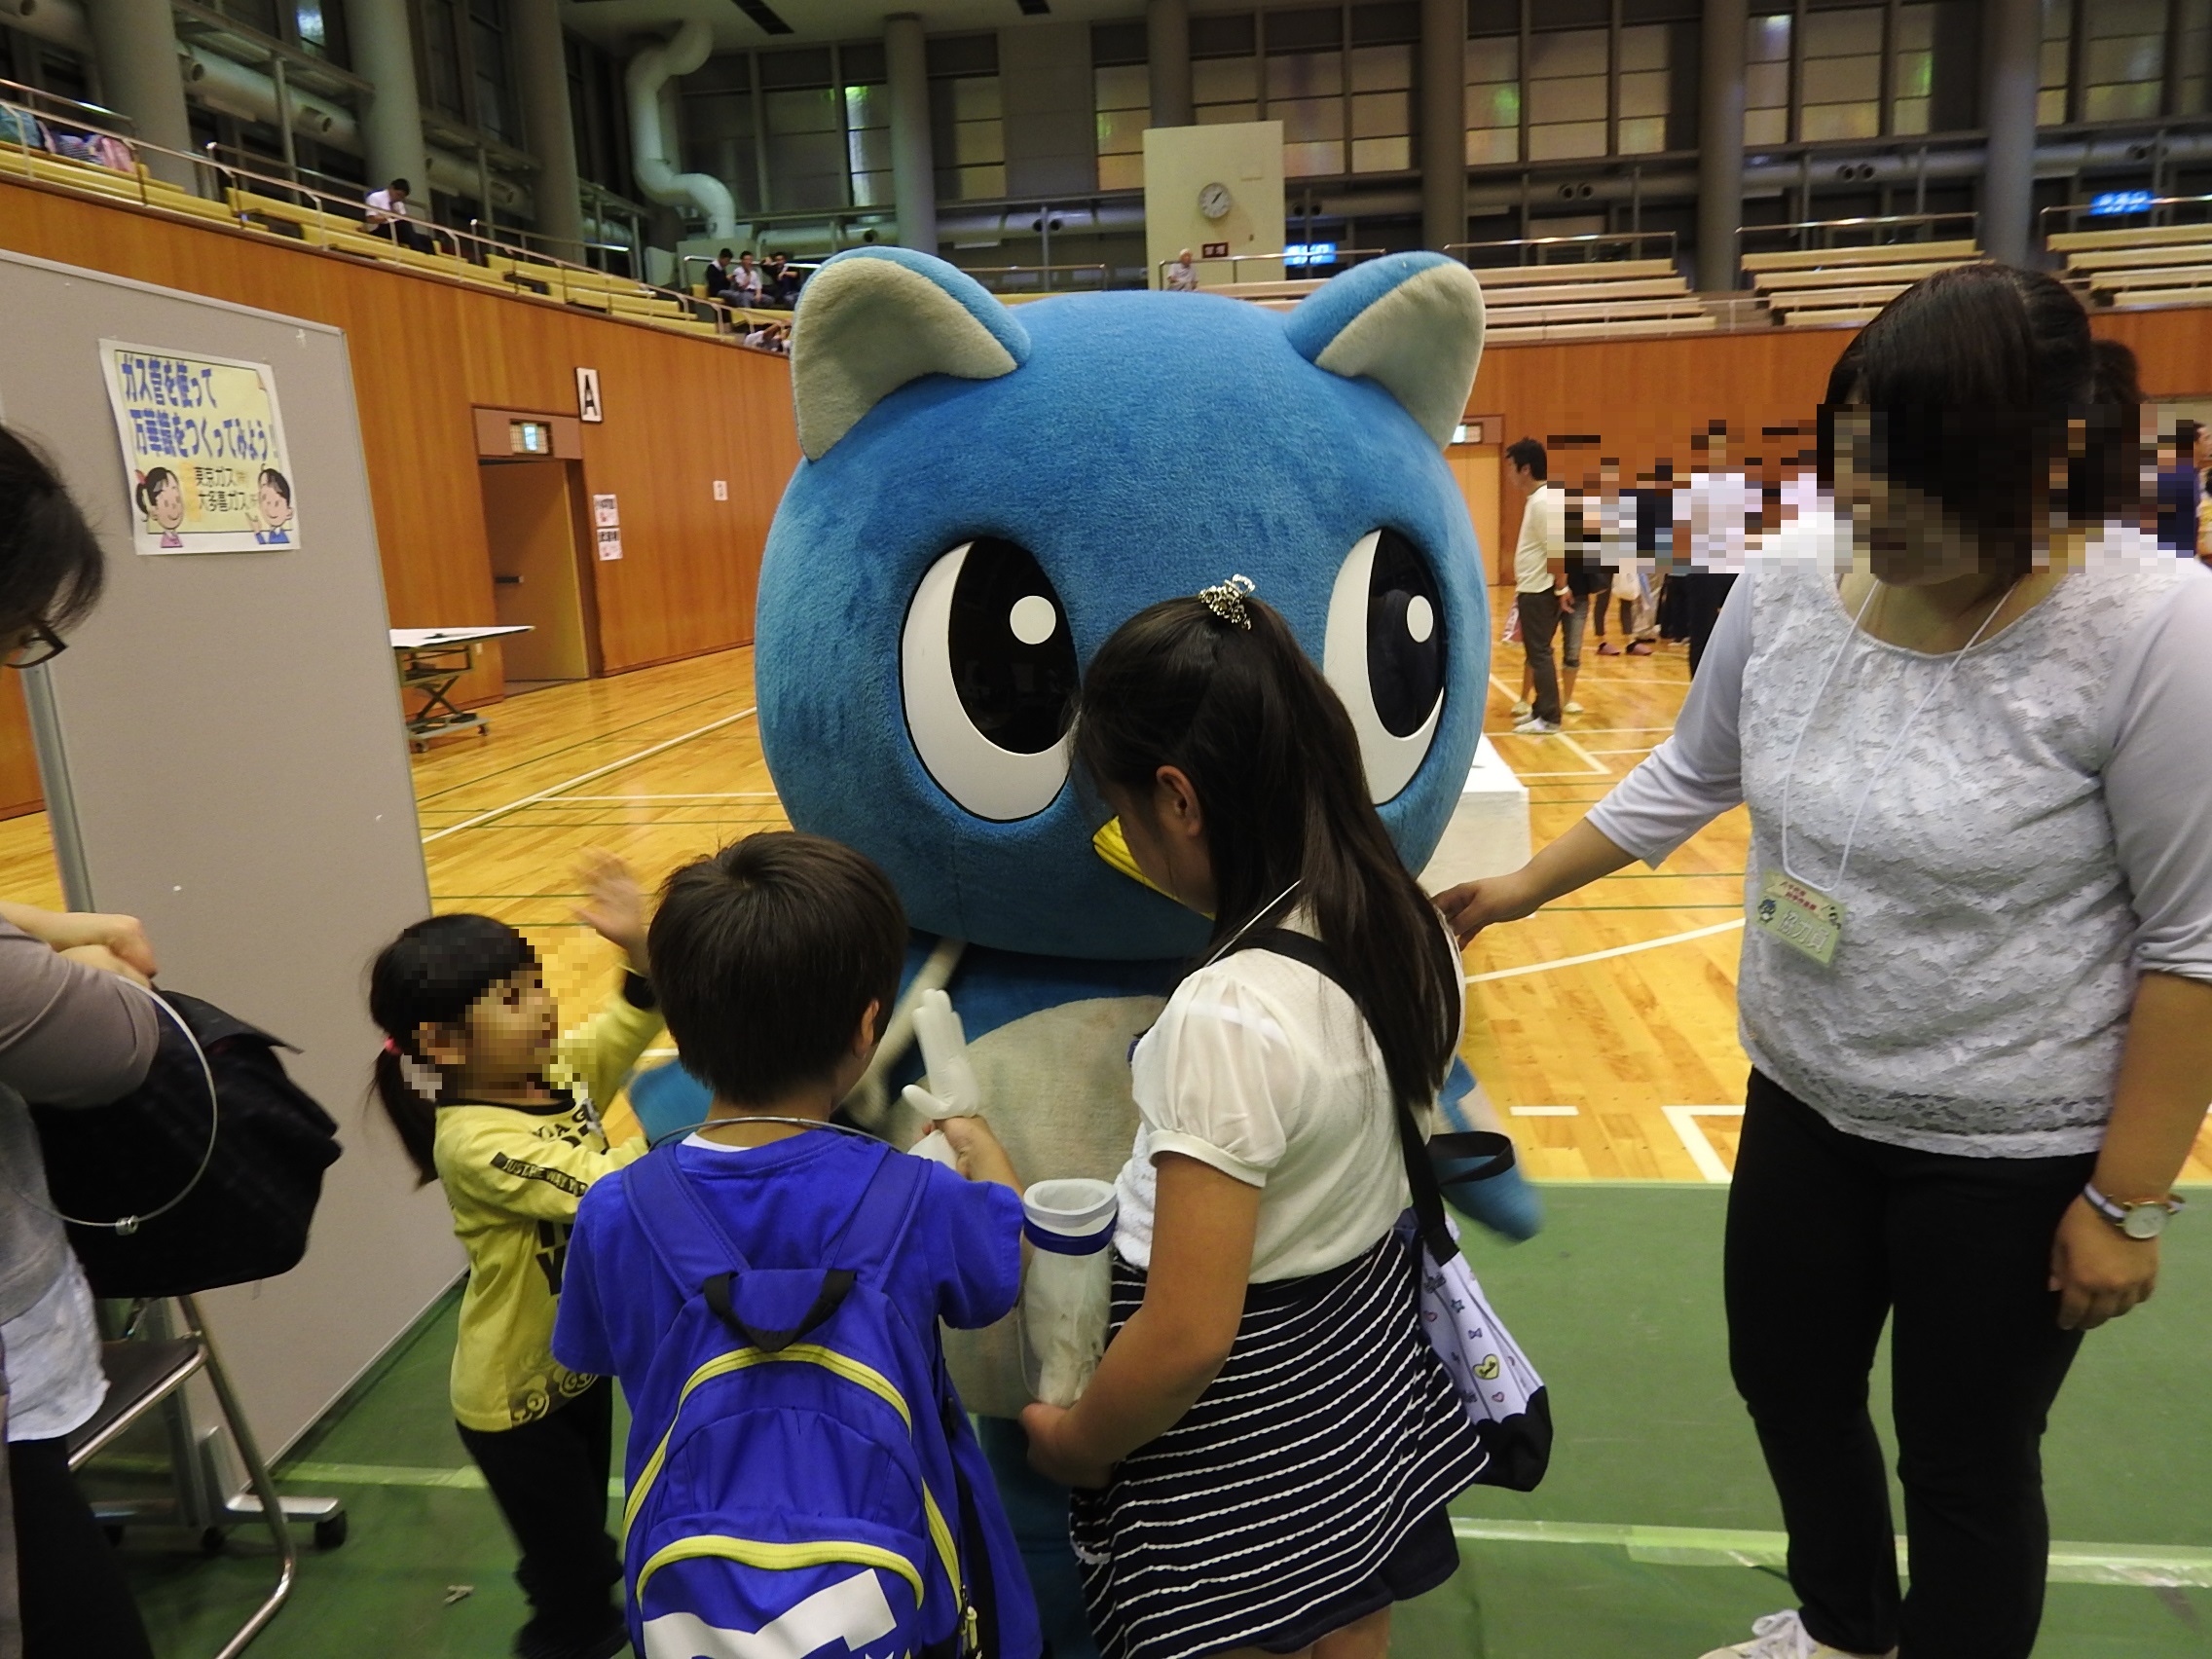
[1068, 1294]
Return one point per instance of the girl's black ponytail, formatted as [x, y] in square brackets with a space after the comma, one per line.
[1219, 688]
[413, 1115]
[429, 975]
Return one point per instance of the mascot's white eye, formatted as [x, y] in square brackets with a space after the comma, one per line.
[988, 668]
[1386, 657]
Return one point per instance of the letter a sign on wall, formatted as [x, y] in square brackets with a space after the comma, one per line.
[588, 406]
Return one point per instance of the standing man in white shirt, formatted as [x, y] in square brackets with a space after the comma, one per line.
[1718, 513]
[1539, 570]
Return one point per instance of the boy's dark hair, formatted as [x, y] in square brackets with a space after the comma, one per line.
[2185, 439]
[1970, 379]
[432, 975]
[766, 956]
[50, 564]
[270, 478]
[1529, 455]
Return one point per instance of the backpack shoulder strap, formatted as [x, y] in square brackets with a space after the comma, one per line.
[1421, 1171]
[886, 1210]
[685, 1234]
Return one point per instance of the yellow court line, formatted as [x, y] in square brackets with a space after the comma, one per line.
[1604, 956]
[585, 777]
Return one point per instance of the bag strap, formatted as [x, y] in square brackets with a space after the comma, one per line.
[1420, 1173]
[873, 1232]
[684, 1233]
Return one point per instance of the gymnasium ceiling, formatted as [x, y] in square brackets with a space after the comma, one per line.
[617, 25]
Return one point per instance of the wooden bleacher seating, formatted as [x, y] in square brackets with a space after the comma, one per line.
[2141, 266]
[1892, 253]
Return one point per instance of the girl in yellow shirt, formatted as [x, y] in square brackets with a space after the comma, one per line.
[490, 1100]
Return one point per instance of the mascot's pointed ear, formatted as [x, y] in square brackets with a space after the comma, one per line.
[1412, 323]
[873, 318]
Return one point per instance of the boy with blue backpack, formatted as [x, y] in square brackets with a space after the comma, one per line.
[799, 1471]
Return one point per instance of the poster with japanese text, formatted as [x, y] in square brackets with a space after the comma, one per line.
[203, 450]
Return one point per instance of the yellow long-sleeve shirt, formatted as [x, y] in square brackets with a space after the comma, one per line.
[512, 1177]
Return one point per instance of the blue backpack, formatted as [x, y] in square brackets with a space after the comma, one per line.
[799, 1499]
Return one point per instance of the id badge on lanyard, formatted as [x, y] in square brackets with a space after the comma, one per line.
[1801, 916]
[1792, 910]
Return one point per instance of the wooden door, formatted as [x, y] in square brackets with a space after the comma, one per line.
[530, 524]
[1478, 470]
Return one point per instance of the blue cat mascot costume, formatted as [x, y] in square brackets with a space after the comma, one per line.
[987, 492]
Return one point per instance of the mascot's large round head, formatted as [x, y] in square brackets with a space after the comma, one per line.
[988, 493]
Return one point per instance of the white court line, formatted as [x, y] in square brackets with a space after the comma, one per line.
[1544, 1111]
[1503, 690]
[1645, 750]
[1602, 955]
[585, 777]
[1708, 1161]
[1583, 755]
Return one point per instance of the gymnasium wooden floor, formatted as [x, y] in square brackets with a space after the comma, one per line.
[1605, 1026]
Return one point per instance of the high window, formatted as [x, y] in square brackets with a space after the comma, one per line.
[1120, 89]
[967, 133]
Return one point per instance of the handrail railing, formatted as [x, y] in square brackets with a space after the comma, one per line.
[1290, 258]
[1592, 243]
[544, 269]
[96, 116]
[1006, 279]
[2155, 206]
[1875, 225]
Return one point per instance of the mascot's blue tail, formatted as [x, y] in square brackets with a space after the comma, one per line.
[1507, 1204]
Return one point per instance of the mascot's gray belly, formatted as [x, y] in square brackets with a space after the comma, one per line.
[1056, 1085]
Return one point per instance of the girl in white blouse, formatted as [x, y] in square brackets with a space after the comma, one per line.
[1265, 1453]
[1968, 713]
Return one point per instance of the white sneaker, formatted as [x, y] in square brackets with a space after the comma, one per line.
[1534, 727]
[1783, 1635]
[1573, 708]
[1521, 710]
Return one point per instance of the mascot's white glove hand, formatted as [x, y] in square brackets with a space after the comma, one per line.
[952, 1092]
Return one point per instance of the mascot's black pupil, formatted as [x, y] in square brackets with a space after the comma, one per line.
[1012, 657]
[1405, 636]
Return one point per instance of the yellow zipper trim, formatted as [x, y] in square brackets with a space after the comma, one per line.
[780, 1557]
[744, 1359]
[811, 1353]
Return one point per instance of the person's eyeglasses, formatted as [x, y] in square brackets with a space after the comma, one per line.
[39, 643]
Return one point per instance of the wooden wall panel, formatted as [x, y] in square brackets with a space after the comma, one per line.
[681, 413]
[20, 788]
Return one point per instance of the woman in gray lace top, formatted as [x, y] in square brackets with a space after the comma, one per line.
[71, 1034]
[1977, 980]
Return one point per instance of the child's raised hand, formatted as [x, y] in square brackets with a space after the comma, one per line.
[614, 905]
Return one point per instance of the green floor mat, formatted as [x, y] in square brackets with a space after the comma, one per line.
[1618, 1302]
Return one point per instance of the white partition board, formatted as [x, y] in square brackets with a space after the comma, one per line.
[234, 750]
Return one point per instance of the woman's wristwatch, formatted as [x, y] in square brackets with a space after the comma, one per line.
[2146, 1220]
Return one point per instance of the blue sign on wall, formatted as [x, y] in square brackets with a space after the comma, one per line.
[1309, 253]
[2111, 201]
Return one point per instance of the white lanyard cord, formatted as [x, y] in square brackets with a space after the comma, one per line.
[1851, 834]
[1256, 916]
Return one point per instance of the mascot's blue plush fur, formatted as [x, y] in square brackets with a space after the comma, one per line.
[987, 492]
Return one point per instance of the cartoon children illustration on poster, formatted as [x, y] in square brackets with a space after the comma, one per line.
[161, 502]
[275, 508]
[203, 448]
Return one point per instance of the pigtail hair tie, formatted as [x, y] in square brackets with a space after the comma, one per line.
[1226, 602]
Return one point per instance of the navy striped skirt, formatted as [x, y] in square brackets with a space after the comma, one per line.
[1305, 1489]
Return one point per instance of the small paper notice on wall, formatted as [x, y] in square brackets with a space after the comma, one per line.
[204, 451]
[609, 542]
[604, 513]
